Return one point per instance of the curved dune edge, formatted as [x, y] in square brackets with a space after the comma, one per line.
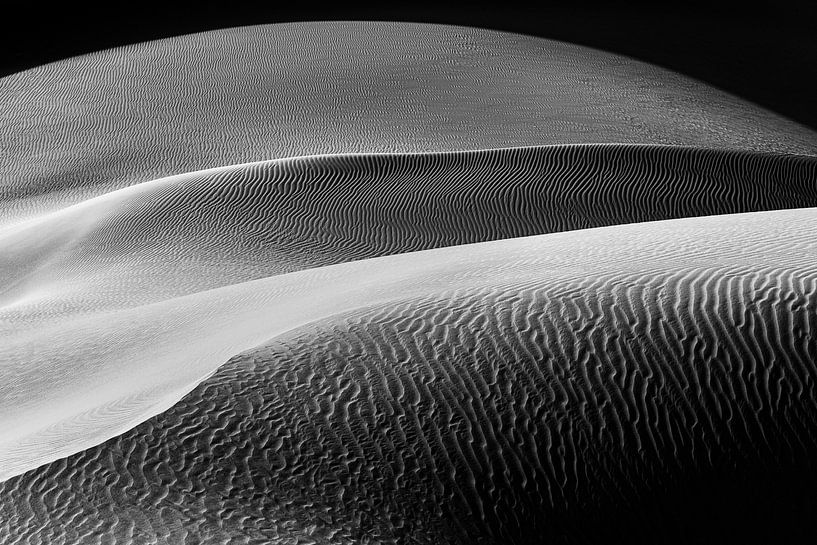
[179, 235]
[86, 126]
[147, 354]
[130, 254]
[420, 345]
[400, 178]
[609, 409]
[582, 377]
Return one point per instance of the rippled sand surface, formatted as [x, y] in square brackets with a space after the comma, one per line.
[470, 287]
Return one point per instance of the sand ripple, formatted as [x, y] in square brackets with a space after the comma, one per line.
[470, 287]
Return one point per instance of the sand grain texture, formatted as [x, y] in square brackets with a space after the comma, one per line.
[84, 126]
[470, 287]
[562, 377]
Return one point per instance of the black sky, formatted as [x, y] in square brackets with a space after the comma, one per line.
[766, 53]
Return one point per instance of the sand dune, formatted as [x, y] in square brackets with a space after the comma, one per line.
[471, 287]
[123, 285]
[466, 389]
[184, 234]
[85, 126]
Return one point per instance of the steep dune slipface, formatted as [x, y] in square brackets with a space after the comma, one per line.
[610, 384]
[85, 126]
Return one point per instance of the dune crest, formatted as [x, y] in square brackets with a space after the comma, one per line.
[386, 283]
[630, 308]
[111, 281]
[88, 125]
[150, 351]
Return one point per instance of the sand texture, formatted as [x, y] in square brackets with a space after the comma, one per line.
[361, 283]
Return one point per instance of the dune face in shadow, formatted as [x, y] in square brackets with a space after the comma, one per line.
[470, 287]
[607, 383]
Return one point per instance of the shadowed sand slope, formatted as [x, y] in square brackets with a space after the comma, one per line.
[85, 126]
[607, 385]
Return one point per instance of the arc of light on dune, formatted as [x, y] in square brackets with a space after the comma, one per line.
[238, 223]
[147, 354]
[383, 170]
[490, 411]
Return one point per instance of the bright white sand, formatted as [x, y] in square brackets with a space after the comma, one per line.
[71, 382]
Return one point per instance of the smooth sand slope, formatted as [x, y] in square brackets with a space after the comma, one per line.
[611, 383]
[81, 127]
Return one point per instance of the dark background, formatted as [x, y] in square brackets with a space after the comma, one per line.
[764, 52]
